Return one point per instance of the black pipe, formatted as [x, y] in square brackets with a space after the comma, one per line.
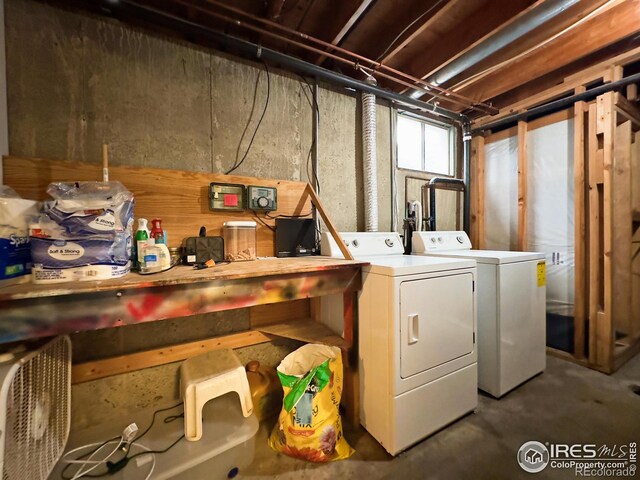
[558, 104]
[432, 186]
[466, 174]
[252, 51]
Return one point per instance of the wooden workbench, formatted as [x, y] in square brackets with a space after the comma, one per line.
[180, 198]
[29, 311]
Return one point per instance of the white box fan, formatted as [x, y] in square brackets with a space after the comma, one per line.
[35, 407]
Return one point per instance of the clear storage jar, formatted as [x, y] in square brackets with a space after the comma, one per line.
[240, 240]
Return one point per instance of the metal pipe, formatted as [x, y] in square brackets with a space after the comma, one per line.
[315, 159]
[460, 185]
[373, 66]
[253, 51]
[409, 82]
[466, 174]
[559, 104]
[517, 29]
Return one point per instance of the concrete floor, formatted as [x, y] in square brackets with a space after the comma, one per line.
[566, 404]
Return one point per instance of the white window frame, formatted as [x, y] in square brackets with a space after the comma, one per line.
[424, 121]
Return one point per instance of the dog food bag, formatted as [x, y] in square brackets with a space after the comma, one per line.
[309, 426]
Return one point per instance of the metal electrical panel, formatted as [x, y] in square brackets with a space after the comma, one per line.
[227, 196]
[264, 199]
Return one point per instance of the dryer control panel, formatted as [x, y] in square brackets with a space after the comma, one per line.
[440, 241]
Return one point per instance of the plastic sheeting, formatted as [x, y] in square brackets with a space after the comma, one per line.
[501, 194]
[551, 209]
[550, 204]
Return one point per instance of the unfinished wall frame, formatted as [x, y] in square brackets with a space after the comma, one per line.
[606, 181]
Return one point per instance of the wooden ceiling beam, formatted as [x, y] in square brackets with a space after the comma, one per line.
[481, 19]
[536, 37]
[486, 37]
[348, 15]
[613, 25]
[274, 9]
[431, 17]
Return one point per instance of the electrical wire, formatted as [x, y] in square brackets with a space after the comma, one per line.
[420, 17]
[237, 163]
[262, 221]
[315, 180]
[113, 467]
[302, 215]
[89, 454]
[164, 450]
[166, 420]
[85, 473]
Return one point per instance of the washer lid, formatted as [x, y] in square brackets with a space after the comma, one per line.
[490, 256]
[396, 265]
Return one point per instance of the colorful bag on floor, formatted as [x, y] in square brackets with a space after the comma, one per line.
[309, 426]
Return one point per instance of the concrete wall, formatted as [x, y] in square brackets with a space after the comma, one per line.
[75, 81]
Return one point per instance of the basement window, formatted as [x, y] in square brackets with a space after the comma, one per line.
[424, 146]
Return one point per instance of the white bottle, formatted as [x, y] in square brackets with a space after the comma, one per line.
[143, 240]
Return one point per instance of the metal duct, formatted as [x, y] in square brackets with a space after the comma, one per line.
[370, 160]
[519, 28]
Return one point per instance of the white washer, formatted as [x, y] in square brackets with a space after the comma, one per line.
[511, 308]
[416, 338]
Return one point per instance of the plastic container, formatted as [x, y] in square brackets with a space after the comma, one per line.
[227, 443]
[240, 240]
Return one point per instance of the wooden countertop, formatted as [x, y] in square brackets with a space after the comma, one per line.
[182, 275]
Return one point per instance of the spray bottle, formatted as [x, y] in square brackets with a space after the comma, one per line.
[143, 240]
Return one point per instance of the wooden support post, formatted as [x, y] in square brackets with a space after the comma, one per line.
[351, 388]
[604, 329]
[579, 200]
[621, 225]
[595, 246]
[632, 92]
[478, 186]
[522, 186]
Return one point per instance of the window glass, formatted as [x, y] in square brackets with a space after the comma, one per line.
[437, 148]
[409, 143]
[424, 146]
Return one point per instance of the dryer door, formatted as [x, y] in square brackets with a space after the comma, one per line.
[436, 322]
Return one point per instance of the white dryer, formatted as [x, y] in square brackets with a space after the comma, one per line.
[416, 339]
[511, 308]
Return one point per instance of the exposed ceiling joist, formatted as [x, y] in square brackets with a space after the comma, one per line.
[425, 21]
[476, 20]
[349, 12]
[617, 23]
